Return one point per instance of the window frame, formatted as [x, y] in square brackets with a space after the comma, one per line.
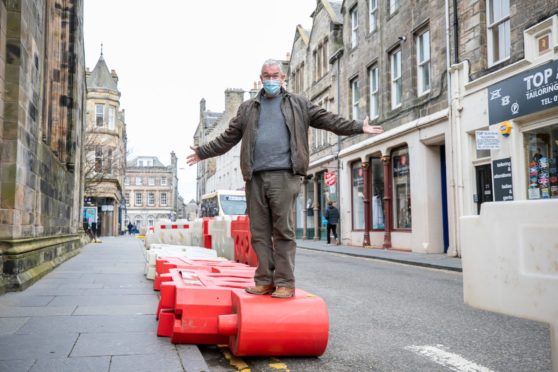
[100, 114]
[138, 199]
[163, 180]
[492, 27]
[374, 91]
[354, 26]
[165, 202]
[421, 65]
[372, 16]
[151, 199]
[139, 181]
[394, 6]
[111, 117]
[396, 80]
[355, 98]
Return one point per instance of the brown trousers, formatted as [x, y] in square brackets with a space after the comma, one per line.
[270, 198]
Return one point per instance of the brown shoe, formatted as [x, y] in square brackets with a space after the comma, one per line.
[283, 292]
[260, 289]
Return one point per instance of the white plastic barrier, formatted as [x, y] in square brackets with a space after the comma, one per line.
[221, 240]
[196, 231]
[165, 250]
[167, 232]
[510, 261]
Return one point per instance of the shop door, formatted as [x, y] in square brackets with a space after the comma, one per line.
[484, 185]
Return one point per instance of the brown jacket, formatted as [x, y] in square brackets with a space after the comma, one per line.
[299, 113]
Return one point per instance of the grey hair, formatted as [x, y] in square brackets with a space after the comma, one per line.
[273, 62]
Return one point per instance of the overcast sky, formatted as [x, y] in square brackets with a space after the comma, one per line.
[169, 54]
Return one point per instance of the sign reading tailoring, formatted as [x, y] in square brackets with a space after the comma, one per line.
[525, 93]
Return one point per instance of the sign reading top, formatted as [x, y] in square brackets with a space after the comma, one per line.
[523, 94]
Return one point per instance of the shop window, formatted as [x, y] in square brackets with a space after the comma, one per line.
[358, 195]
[401, 189]
[377, 183]
[541, 151]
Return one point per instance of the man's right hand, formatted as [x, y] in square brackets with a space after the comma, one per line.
[193, 158]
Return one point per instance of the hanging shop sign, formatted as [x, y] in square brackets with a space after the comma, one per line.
[502, 179]
[531, 91]
[330, 178]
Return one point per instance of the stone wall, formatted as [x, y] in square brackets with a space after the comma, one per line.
[472, 31]
[397, 30]
[41, 131]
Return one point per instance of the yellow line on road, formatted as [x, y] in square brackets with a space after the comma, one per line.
[237, 363]
[277, 364]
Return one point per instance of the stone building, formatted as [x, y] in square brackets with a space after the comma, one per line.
[205, 169]
[150, 190]
[312, 74]
[504, 84]
[105, 149]
[387, 61]
[227, 174]
[42, 96]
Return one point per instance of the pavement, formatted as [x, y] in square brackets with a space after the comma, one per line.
[436, 261]
[96, 312]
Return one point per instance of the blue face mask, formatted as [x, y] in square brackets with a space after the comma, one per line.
[271, 87]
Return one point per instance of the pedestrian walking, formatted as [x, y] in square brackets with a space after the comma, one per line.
[273, 127]
[332, 217]
[130, 227]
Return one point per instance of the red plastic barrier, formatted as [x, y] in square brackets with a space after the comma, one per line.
[243, 251]
[266, 326]
[206, 236]
[203, 307]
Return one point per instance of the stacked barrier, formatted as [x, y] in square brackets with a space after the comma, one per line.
[221, 239]
[243, 251]
[204, 302]
[166, 250]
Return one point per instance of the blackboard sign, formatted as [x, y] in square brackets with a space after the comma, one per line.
[502, 179]
[525, 93]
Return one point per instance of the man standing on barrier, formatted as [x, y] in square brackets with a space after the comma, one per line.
[274, 156]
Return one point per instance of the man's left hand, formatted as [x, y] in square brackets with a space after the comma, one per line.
[371, 129]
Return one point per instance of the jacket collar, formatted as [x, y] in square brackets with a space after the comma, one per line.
[261, 93]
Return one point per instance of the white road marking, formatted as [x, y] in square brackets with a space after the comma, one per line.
[450, 360]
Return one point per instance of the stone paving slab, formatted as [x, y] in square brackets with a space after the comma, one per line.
[110, 300]
[16, 365]
[9, 326]
[83, 364]
[116, 310]
[38, 346]
[132, 343]
[88, 324]
[25, 300]
[19, 311]
[146, 363]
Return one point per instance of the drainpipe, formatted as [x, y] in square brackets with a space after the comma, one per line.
[453, 134]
